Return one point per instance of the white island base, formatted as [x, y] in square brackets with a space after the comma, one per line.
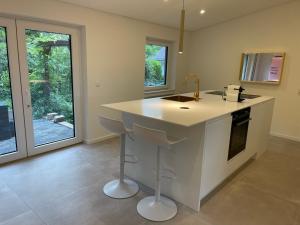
[200, 162]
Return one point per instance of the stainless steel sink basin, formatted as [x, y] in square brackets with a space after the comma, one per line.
[246, 96]
[179, 98]
[215, 93]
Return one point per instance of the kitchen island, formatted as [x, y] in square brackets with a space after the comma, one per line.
[195, 167]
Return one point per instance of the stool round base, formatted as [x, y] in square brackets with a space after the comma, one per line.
[162, 210]
[119, 190]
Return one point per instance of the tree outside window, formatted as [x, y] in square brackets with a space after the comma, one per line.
[156, 59]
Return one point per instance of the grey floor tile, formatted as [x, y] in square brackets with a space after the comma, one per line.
[276, 174]
[65, 188]
[284, 146]
[56, 160]
[10, 204]
[89, 206]
[185, 216]
[243, 204]
[297, 221]
[40, 188]
[28, 218]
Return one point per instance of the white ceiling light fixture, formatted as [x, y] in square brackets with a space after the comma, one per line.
[181, 35]
[202, 11]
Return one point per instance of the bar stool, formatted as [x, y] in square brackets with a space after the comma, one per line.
[120, 188]
[156, 208]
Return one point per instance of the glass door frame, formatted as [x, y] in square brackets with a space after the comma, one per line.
[15, 81]
[22, 25]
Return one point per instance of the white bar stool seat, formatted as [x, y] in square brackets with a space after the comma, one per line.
[156, 208]
[120, 188]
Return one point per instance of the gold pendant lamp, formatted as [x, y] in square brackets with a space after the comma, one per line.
[181, 35]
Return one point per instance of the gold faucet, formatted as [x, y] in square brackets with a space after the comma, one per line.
[197, 83]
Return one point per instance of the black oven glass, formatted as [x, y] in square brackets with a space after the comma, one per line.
[239, 131]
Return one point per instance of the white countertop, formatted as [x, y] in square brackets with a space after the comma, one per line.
[209, 107]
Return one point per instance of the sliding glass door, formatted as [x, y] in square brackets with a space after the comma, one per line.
[12, 131]
[40, 92]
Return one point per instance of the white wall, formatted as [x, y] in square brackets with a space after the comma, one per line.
[215, 55]
[114, 52]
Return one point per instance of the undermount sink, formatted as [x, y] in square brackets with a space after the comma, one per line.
[249, 96]
[246, 96]
[179, 98]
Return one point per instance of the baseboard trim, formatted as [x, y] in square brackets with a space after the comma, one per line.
[292, 138]
[99, 139]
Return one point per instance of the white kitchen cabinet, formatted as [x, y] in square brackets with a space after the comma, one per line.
[216, 168]
[200, 162]
[216, 145]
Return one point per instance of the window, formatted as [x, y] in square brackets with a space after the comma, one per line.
[156, 65]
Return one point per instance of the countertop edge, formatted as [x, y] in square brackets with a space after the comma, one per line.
[266, 99]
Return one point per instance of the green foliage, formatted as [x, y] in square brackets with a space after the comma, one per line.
[151, 50]
[153, 68]
[50, 74]
[5, 94]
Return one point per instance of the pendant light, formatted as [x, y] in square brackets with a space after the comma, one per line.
[181, 35]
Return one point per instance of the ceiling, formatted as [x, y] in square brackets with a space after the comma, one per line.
[167, 12]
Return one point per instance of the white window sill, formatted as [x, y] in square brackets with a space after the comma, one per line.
[158, 93]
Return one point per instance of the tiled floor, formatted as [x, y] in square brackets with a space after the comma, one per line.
[63, 188]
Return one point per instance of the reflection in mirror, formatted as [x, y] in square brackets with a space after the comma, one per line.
[262, 67]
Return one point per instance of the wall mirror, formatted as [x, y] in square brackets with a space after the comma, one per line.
[262, 67]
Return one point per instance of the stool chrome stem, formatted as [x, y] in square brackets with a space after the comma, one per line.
[157, 189]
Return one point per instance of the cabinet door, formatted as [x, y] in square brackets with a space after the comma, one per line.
[214, 168]
[259, 128]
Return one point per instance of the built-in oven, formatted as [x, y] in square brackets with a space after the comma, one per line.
[239, 132]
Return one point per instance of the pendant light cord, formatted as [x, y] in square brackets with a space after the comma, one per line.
[181, 36]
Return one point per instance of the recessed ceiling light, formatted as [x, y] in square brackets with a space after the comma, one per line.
[202, 11]
[166, 0]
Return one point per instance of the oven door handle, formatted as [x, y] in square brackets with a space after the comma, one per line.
[243, 122]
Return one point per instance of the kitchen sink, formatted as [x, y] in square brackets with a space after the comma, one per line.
[215, 93]
[179, 98]
[246, 96]
[249, 96]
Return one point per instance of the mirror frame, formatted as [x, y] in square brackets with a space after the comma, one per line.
[262, 82]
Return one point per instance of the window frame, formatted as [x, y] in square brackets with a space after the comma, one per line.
[168, 45]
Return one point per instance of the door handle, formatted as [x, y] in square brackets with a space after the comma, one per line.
[243, 122]
[28, 98]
